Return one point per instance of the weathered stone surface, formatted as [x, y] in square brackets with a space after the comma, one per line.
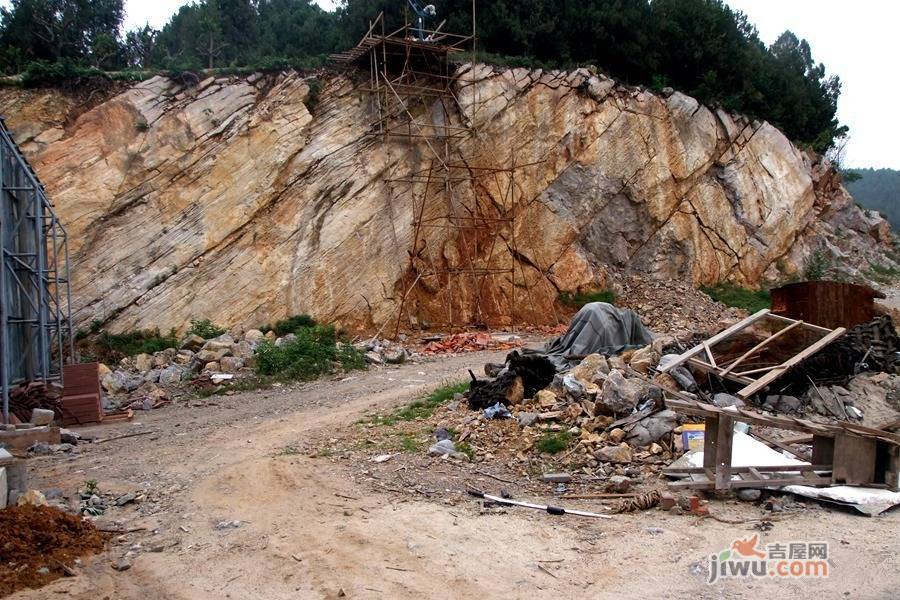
[619, 395]
[592, 369]
[170, 375]
[620, 454]
[192, 342]
[238, 204]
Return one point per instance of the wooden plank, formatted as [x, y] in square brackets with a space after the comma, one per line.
[710, 443]
[22, 439]
[771, 376]
[705, 484]
[708, 368]
[760, 346]
[754, 371]
[892, 472]
[760, 468]
[723, 452]
[779, 444]
[717, 338]
[823, 449]
[709, 355]
[807, 325]
[854, 460]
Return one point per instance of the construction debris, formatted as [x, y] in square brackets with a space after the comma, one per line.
[553, 510]
[470, 342]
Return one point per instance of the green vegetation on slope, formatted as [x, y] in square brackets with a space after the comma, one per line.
[878, 189]
[730, 294]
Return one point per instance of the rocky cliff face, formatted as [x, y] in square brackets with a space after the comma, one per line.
[232, 199]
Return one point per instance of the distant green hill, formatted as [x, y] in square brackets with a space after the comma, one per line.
[878, 189]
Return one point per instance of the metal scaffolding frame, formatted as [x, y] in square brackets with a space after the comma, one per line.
[411, 85]
[35, 300]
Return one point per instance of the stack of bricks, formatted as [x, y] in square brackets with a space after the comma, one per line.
[81, 396]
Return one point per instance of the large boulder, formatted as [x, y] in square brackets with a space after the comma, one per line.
[121, 382]
[620, 454]
[653, 428]
[592, 369]
[619, 395]
[254, 336]
[171, 375]
[192, 342]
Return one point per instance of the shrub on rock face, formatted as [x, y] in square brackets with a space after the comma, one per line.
[205, 329]
[291, 325]
[315, 351]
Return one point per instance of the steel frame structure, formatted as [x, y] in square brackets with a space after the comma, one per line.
[409, 81]
[35, 300]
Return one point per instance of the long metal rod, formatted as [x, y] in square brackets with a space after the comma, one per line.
[4, 333]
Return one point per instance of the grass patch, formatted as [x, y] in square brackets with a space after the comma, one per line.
[730, 294]
[580, 299]
[410, 443]
[422, 408]
[112, 347]
[288, 451]
[290, 325]
[315, 352]
[466, 449]
[552, 443]
[205, 329]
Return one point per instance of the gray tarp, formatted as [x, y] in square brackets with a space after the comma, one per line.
[598, 328]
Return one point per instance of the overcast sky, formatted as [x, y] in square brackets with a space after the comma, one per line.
[856, 40]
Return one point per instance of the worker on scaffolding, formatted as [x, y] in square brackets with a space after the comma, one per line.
[421, 13]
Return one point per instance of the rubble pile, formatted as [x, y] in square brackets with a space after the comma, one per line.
[470, 342]
[672, 306]
[148, 381]
[601, 417]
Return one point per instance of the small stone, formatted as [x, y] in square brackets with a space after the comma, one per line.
[546, 398]
[655, 448]
[41, 416]
[123, 564]
[556, 477]
[67, 436]
[620, 454]
[617, 435]
[749, 494]
[374, 358]
[723, 400]
[442, 448]
[125, 499]
[395, 357]
[228, 525]
[618, 484]
[43, 571]
[527, 419]
[231, 364]
[143, 362]
[254, 336]
[442, 433]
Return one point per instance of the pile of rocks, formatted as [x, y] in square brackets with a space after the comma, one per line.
[607, 412]
[672, 306]
[146, 381]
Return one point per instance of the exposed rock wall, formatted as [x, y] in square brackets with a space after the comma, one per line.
[232, 200]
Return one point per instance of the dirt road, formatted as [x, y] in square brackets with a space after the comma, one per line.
[310, 528]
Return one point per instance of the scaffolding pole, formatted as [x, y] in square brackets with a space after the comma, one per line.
[35, 299]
